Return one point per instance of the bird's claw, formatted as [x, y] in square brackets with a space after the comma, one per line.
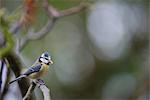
[39, 82]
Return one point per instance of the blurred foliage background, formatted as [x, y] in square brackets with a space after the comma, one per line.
[99, 54]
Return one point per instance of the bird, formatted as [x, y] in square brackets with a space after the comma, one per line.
[38, 69]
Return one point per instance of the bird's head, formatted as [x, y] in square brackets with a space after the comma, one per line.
[45, 58]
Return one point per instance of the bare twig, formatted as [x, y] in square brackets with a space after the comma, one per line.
[42, 32]
[29, 92]
[53, 12]
[15, 27]
[36, 35]
[73, 10]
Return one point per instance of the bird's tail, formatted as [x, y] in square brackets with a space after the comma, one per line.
[18, 78]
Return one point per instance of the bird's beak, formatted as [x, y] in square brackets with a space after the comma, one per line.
[51, 62]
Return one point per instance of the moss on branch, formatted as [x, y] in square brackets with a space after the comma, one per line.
[9, 42]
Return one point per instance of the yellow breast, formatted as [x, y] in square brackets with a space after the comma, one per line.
[43, 71]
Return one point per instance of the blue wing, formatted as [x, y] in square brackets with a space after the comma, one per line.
[33, 70]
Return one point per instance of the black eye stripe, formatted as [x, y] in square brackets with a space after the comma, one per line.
[46, 58]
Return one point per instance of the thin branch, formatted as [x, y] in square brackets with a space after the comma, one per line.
[36, 35]
[73, 10]
[42, 32]
[53, 12]
[15, 27]
[29, 92]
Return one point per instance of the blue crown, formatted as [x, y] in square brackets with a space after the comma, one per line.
[46, 54]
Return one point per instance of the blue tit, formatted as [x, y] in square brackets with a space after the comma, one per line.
[38, 69]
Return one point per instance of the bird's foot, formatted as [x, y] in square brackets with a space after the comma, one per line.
[39, 82]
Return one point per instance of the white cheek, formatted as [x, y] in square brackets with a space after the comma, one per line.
[44, 60]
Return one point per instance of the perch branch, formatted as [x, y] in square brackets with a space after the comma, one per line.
[45, 92]
[40, 83]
